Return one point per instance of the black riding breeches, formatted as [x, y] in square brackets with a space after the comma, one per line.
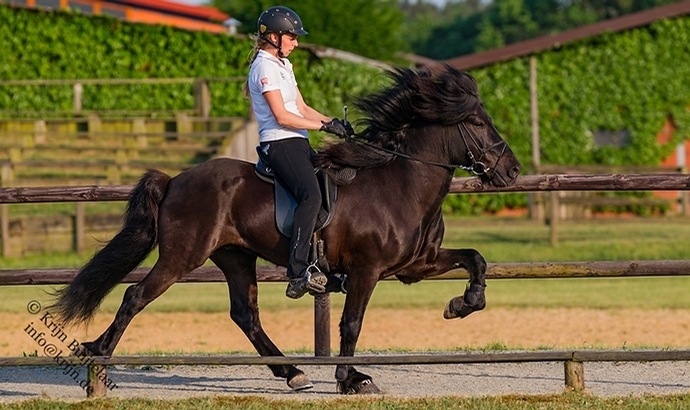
[291, 162]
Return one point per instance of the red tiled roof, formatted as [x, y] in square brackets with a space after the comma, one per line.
[532, 46]
[200, 12]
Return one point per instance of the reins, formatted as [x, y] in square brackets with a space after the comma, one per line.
[477, 167]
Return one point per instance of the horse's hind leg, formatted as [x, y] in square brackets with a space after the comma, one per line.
[136, 297]
[239, 268]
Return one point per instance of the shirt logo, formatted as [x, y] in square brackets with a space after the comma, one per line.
[264, 81]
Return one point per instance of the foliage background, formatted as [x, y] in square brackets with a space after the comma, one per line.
[634, 81]
[371, 28]
[57, 45]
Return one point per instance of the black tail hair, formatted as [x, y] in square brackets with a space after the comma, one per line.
[77, 302]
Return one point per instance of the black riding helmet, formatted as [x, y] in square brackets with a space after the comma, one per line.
[280, 20]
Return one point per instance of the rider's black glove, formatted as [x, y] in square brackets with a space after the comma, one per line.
[341, 128]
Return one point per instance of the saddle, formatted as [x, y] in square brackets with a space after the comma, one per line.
[285, 203]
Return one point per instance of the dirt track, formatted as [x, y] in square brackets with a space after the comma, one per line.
[385, 329]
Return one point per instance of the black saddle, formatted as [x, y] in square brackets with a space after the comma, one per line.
[286, 203]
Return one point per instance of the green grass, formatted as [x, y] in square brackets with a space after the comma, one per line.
[498, 240]
[564, 401]
[65, 208]
[504, 240]
[597, 293]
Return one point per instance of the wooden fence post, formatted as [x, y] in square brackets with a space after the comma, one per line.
[96, 387]
[684, 198]
[553, 223]
[139, 129]
[78, 89]
[5, 230]
[6, 175]
[40, 131]
[574, 375]
[322, 325]
[184, 125]
[94, 124]
[202, 98]
[536, 208]
[79, 228]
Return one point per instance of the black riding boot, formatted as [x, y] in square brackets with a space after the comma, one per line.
[311, 280]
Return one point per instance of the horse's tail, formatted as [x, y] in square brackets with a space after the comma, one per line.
[78, 302]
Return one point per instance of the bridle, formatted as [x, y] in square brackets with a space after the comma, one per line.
[477, 167]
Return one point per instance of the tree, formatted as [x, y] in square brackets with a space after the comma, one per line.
[369, 28]
[502, 22]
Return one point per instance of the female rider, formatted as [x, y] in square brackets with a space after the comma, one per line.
[284, 119]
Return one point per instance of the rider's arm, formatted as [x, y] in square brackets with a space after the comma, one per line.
[287, 119]
[307, 111]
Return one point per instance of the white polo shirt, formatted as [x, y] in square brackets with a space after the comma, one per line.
[267, 73]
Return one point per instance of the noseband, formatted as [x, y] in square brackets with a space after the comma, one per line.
[477, 167]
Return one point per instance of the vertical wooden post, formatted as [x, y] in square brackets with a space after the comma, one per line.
[79, 228]
[96, 387]
[536, 208]
[202, 98]
[322, 325]
[553, 225]
[94, 125]
[184, 125]
[139, 129]
[5, 230]
[6, 175]
[78, 91]
[574, 375]
[40, 131]
[684, 199]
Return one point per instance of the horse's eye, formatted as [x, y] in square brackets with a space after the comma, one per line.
[477, 122]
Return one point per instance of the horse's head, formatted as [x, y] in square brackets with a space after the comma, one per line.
[434, 117]
[480, 149]
[451, 99]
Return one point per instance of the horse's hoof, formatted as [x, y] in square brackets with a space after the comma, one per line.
[453, 307]
[458, 308]
[366, 386]
[300, 382]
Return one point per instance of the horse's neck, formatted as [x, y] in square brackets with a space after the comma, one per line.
[423, 183]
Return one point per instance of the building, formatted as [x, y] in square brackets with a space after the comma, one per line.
[140, 11]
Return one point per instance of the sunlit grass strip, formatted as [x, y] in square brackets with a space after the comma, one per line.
[566, 401]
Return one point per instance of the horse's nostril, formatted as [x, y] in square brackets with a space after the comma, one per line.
[515, 171]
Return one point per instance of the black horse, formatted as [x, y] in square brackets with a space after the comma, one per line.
[388, 219]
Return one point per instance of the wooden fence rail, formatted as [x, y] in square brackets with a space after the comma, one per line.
[574, 375]
[527, 183]
[524, 270]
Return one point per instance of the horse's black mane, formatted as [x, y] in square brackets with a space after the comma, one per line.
[415, 99]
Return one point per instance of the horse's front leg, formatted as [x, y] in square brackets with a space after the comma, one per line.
[359, 290]
[448, 259]
[473, 299]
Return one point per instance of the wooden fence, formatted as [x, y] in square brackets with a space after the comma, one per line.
[573, 360]
[201, 91]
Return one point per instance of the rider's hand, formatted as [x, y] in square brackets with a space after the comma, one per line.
[341, 128]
